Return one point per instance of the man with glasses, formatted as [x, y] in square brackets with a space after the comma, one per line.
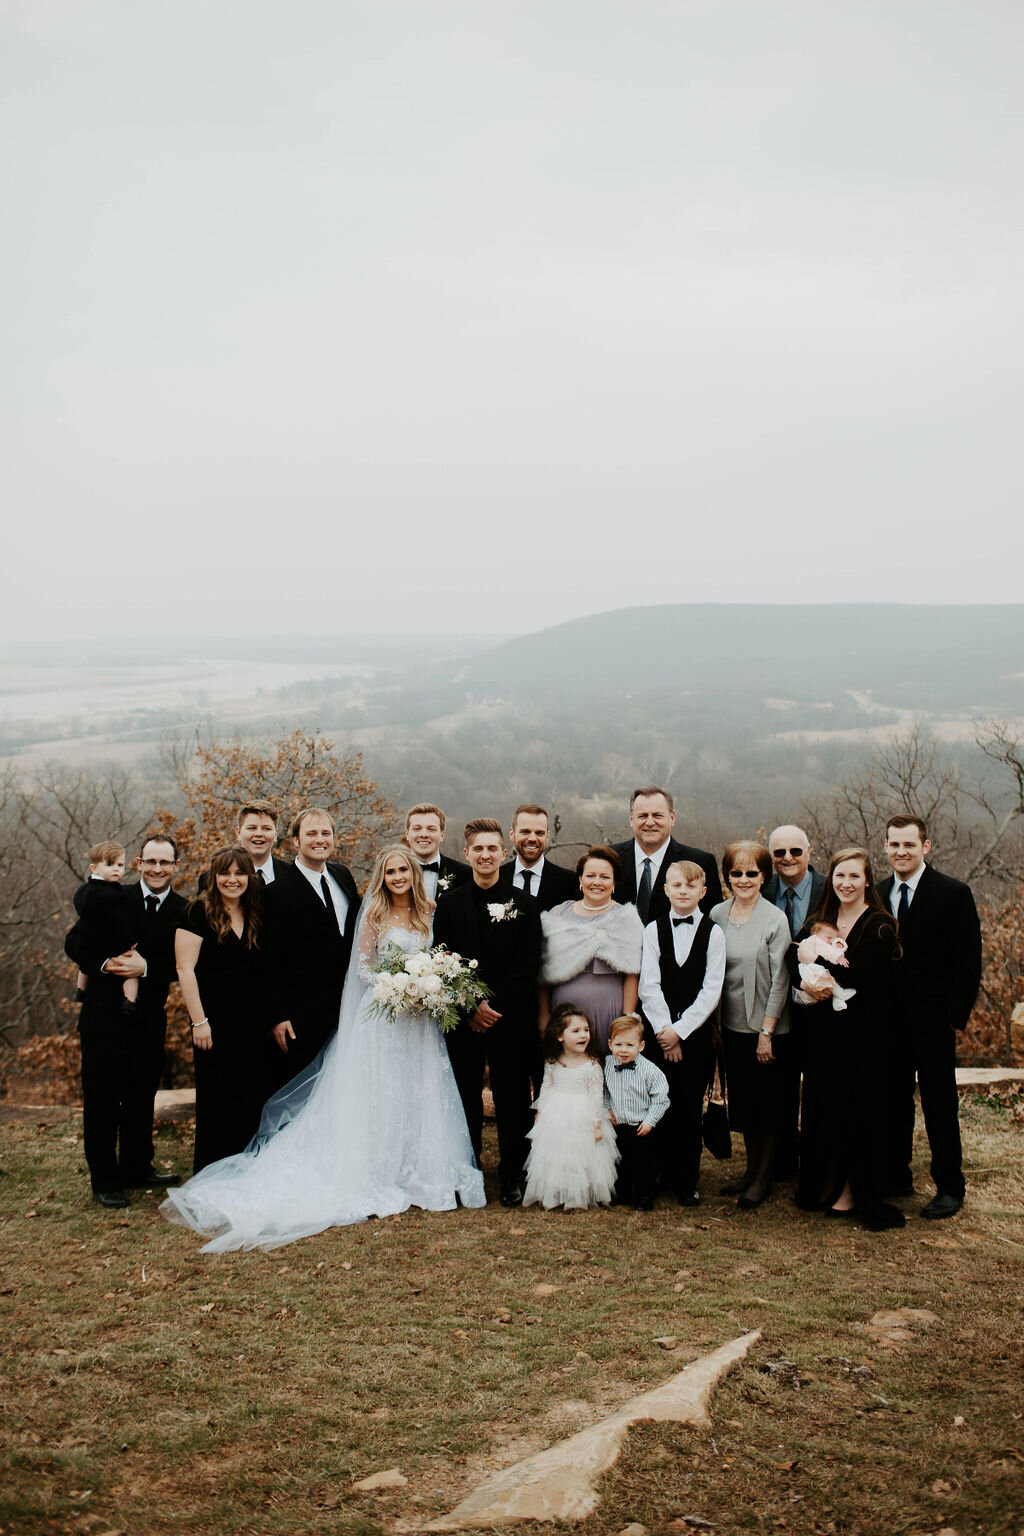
[795, 886]
[122, 1058]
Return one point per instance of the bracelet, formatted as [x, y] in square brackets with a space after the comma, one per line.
[198, 1024]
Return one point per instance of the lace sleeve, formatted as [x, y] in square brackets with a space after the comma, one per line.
[366, 948]
[595, 1089]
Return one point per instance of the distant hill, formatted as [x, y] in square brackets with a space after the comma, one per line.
[927, 657]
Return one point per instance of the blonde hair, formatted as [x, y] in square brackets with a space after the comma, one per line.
[687, 870]
[377, 900]
[105, 853]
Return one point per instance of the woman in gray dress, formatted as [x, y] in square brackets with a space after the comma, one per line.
[754, 1015]
[592, 949]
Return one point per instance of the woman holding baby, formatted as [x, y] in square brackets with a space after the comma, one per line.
[845, 979]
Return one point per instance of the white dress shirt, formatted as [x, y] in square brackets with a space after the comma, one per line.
[706, 1001]
[340, 900]
[266, 870]
[536, 870]
[657, 859]
[912, 882]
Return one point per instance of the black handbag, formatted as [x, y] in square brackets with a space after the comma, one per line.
[714, 1127]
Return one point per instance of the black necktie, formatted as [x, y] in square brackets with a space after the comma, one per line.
[261, 877]
[527, 877]
[677, 921]
[789, 899]
[152, 907]
[431, 869]
[625, 1066]
[325, 892]
[904, 904]
[643, 895]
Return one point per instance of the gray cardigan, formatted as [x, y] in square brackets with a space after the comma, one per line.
[765, 942]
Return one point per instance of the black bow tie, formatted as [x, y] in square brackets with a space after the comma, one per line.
[625, 1066]
[431, 868]
[677, 920]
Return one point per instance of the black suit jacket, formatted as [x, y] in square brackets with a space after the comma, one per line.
[155, 943]
[454, 871]
[625, 885]
[306, 955]
[770, 890]
[512, 946]
[556, 885]
[938, 979]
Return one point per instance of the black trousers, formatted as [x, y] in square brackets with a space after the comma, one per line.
[508, 1050]
[678, 1133]
[925, 1057]
[121, 1064]
[638, 1163]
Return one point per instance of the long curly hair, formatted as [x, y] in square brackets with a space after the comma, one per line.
[377, 900]
[249, 901]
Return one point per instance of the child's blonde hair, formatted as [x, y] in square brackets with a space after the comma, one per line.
[626, 1022]
[106, 852]
[687, 869]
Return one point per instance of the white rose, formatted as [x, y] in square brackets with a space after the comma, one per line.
[414, 989]
[430, 985]
[472, 965]
[496, 909]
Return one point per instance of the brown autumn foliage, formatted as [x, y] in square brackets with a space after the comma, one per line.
[988, 1036]
[64, 813]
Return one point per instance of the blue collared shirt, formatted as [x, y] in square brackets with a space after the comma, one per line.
[801, 899]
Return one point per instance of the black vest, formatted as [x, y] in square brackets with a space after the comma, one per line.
[680, 984]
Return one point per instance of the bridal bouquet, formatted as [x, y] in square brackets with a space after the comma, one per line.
[432, 981]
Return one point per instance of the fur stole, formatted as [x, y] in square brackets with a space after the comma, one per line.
[616, 937]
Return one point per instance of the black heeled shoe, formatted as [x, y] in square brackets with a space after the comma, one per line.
[751, 1202]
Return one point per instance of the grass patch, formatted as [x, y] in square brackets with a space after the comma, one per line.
[148, 1388]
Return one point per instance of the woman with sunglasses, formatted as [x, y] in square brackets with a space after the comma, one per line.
[754, 1015]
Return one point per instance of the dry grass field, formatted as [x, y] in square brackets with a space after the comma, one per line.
[150, 1388]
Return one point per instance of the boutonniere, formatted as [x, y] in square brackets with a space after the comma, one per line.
[502, 911]
[444, 882]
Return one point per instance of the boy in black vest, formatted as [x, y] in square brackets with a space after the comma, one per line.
[681, 978]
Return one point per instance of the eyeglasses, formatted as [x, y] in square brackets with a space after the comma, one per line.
[744, 874]
[157, 863]
[794, 853]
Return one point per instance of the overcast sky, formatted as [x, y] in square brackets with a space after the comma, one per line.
[325, 316]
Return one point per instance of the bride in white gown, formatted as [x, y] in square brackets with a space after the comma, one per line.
[371, 1127]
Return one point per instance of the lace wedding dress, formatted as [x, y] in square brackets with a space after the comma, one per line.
[371, 1127]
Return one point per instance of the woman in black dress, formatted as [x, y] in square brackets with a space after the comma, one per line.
[221, 973]
[845, 1054]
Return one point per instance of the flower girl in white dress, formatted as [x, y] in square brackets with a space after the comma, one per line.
[573, 1154]
[374, 1125]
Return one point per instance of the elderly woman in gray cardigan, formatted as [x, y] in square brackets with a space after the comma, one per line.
[754, 1015]
[592, 949]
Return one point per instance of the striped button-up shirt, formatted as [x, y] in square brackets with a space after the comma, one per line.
[638, 1095]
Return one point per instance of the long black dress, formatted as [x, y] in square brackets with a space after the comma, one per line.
[230, 1076]
[845, 1058]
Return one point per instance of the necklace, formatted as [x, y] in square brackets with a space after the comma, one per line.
[590, 908]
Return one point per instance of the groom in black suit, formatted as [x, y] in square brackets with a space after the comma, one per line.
[122, 1058]
[650, 851]
[310, 913]
[936, 984]
[485, 920]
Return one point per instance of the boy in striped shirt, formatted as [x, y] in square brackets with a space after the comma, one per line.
[637, 1093]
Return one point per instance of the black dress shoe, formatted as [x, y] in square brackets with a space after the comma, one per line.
[883, 1218]
[643, 1205]
[942, 1206]
[751, 1202]
[113, 1199]
[154, 1180]
[511, 1195]
[692, 1199]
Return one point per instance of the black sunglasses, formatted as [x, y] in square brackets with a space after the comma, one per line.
[744, 874]
[794, 853]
